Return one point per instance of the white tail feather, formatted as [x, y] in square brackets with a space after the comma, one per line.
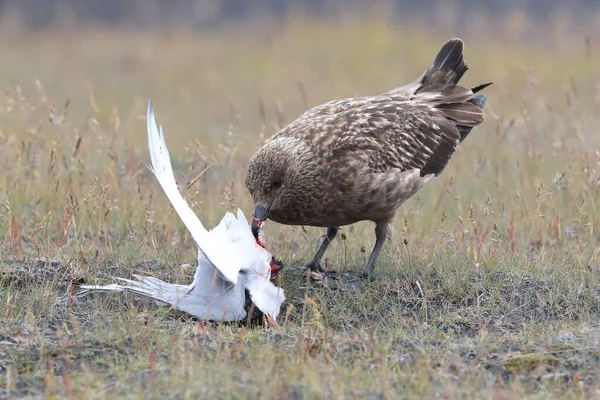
[146, 286]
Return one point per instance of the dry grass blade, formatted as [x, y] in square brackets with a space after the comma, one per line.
[191, 183]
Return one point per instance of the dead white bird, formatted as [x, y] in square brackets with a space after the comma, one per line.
[232, 263]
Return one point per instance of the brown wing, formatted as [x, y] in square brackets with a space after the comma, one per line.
[415, 126]
[383, 132]
[397, 135]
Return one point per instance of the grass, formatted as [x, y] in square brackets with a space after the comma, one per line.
[490, 287]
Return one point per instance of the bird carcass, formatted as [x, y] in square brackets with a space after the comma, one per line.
[232, 262]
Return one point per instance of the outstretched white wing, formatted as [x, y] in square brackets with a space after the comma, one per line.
[224, 255]
[229, 248]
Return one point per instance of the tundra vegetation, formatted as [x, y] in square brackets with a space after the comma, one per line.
[490, 286]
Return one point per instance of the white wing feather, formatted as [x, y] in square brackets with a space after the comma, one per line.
[217, 252]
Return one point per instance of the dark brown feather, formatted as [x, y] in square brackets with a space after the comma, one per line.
[465, 114]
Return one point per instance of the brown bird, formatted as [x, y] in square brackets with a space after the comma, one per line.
[359, 159]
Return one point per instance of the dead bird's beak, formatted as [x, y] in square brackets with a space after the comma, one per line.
[271, 322]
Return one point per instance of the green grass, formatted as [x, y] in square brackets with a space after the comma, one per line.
[490, 286]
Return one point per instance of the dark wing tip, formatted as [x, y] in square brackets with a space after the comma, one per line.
[450, 55]
[479, 88]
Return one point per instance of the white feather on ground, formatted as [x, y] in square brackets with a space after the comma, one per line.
[229, 259]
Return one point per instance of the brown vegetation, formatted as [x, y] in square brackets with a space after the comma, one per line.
[490, 286]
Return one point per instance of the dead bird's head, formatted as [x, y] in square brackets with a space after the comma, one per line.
[281, 178]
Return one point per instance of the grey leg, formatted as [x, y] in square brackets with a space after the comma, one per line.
[315, 264]
[382, 231]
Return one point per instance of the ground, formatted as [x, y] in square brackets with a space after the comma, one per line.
[490, 287]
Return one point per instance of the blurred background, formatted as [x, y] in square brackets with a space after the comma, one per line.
[491, 270]
[224, 75]
[210, 13]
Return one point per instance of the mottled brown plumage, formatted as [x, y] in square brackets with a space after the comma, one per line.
[359, 159]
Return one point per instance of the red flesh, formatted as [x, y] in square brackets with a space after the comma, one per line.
[274, 267]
